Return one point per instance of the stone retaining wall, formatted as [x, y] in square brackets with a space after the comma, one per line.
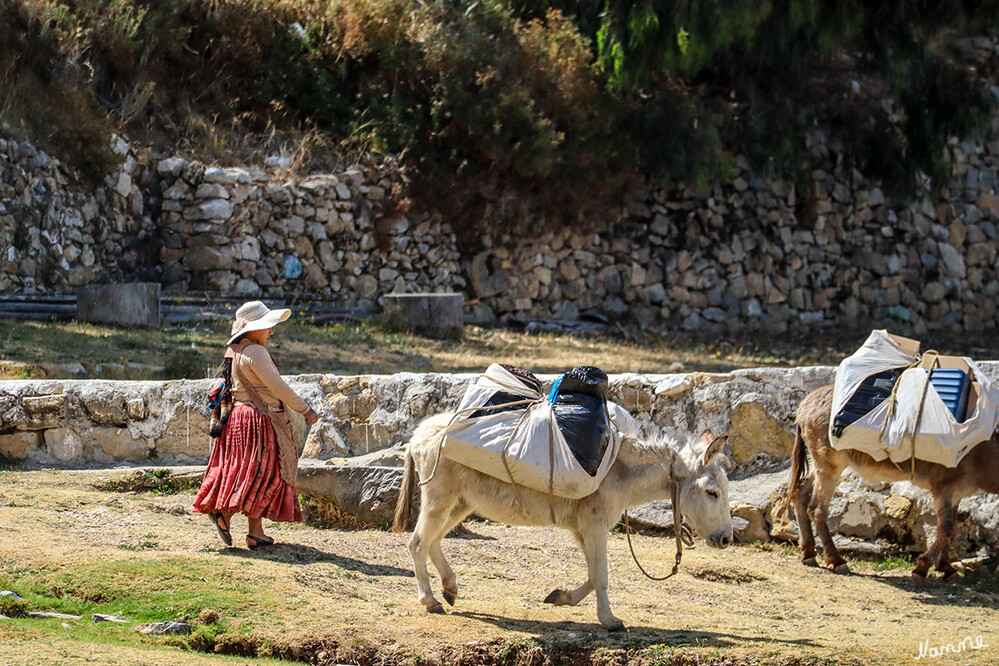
[202, 228]
[746, 253]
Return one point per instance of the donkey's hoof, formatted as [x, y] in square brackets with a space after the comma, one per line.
[436, 609]
[614, 625]
[948, 574]
[450, 597]
[554, 597]
[842, 568]
[810, 562]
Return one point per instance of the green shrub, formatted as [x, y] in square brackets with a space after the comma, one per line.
[13, 607]
[511, 112]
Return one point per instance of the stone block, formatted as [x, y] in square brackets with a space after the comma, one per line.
[18, 444]
[185, 437]
[38, 405]
[366, 437]
[366, 492]
[64, 444]
[754, 431]
[136, 408]
[434, 315]
[111, 412]
[781, 525]
[119, 444]
[38, 413]
[131, 305]
[752, 525]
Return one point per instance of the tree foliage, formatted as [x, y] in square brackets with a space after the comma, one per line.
[758, 75]
[543, 109]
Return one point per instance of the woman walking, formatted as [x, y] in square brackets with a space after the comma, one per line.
[254, 463]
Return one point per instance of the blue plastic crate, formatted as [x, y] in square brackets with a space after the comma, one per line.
[953, 386]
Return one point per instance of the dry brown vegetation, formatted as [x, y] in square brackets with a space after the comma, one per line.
[348, 596]
[366, 348]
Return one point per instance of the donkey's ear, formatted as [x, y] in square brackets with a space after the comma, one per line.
[715, 446]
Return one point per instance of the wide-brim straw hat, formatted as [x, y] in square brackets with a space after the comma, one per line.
[255, 316]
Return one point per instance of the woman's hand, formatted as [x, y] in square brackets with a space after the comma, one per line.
[311, 416]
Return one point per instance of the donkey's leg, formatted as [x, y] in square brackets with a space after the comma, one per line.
[595, 549]
[560, 597]
[939, 553]
[825, 481]
[449, 581]
[806, 538]
[427, 534]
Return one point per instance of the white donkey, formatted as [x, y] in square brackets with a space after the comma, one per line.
[643, 472]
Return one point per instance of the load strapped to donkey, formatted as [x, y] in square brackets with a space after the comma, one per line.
[563, 444]
[890, 401]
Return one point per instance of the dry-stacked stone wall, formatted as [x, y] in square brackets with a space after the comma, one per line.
[240, 230]
[753, 253]
[740, 254]
[203, 228]
[56, 234]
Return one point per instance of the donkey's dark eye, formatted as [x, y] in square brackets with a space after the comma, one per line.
[713, 494]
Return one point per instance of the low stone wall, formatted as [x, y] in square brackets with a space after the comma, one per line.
[85, 422]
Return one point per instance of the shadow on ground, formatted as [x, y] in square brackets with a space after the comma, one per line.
[293, 553]
[582, 634]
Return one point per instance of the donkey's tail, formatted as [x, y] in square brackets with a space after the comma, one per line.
[405, 501]
[799, 464]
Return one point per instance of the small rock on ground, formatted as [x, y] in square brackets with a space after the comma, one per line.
[161, 628]
[45, 614]
[100, 617]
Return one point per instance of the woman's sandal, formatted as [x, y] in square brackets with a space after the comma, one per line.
[258, 542]
[219, 521]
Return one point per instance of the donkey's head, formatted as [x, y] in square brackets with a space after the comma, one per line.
[704, 489]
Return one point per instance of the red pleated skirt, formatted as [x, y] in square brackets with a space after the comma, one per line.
[243, 474]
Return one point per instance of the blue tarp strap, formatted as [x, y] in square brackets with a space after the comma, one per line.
[553, 396]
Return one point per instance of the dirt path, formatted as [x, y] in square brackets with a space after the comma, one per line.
[329, 596]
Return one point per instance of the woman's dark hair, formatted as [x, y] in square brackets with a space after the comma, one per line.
[226, 373]
[227, 379]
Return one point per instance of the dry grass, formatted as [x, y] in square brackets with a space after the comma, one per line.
[365, 348]
[348, 596]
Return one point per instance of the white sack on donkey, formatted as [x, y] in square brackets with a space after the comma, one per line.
[890, 401]
[563, 445]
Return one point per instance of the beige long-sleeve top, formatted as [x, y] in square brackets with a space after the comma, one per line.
[258, 368]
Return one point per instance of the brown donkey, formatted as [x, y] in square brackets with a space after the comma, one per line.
[978, 470]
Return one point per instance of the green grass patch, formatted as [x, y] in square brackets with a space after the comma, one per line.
[894, 562]
[156, 482]
[216, 597]
[143, 590]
